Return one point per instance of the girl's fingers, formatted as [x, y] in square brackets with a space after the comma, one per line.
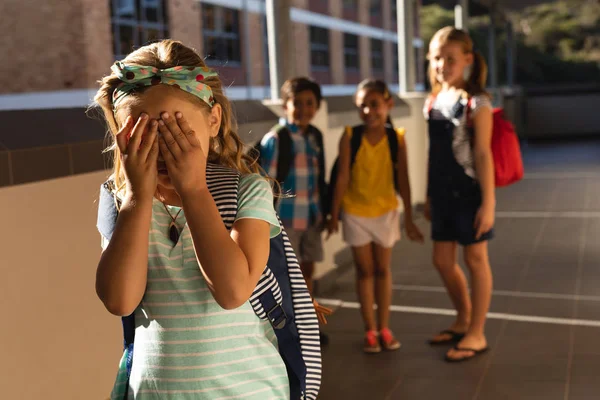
[123, 135]
[168, 138]
[149, 140]
[173, 127]
[187, 130]
[325, 310]
[165, 151]
[138, 132]
[154, 150]
[479, 231]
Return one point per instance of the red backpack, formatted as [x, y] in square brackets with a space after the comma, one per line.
[506, 151]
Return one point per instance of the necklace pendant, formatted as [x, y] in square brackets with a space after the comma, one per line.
[173, 233]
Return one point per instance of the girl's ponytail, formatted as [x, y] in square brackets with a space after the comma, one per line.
[478, 78]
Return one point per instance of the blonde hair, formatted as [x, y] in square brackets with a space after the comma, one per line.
[225, 149]
[477, 80]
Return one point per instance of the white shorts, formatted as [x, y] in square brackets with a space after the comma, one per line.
[383, 230]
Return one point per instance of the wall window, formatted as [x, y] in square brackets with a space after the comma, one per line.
[351, 51]
[221, 32]
[319, 47]
[136, 23]
[375, 8]
[377, 54]
[350, 5]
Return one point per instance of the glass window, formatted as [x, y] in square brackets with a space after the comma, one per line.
[136, 23]
[376, 54]
[375, 8]
[319, 47]
[351, 51]
[221, 32]
[350, 5]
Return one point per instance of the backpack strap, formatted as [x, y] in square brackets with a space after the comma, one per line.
[285, 153]
[429, 102]
[281, 314]
[468, 111]
[356, 134]
[394, 143]
[323, 188]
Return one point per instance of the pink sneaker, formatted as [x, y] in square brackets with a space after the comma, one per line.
[388, 340]
[371, 342]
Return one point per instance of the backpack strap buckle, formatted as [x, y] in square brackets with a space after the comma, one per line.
[277, 316]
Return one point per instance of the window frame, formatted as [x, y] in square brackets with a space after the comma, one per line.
[138, 23]
[380, 55]
[351, 51]
[319, 47]
[375, 11]
[220, 34]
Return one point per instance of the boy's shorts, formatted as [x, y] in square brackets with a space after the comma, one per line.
[308, 244]
[453, 220]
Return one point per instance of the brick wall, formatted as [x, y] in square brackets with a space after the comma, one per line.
[185, 22]
[48, 46]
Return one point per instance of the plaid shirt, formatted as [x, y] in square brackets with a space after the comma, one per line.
[302, 208]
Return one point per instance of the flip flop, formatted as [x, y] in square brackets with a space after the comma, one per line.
[455, 337]
[475, 354]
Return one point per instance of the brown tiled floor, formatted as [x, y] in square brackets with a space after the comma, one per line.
[545, 265]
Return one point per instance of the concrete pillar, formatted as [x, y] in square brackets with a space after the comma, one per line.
[336, 41]
[461, 14]
[364, 61]
[279, 37]
[510, 54]
[406, 54]
[364, 43]
[492, 62]
[388, 60]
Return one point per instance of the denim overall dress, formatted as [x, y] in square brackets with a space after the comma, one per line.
[455, 196]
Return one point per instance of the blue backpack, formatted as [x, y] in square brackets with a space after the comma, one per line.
[281, 295]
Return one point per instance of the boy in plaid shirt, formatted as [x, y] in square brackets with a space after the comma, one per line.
[292, 152]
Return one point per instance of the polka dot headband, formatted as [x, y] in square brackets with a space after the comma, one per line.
[185, 78]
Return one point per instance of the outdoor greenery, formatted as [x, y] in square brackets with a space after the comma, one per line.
[556, 42]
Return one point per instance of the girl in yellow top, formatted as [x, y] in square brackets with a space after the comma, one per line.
[365, 192]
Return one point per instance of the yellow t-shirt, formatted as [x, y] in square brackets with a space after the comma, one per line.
[371, 192]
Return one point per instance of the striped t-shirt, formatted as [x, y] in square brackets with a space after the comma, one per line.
[186, 345]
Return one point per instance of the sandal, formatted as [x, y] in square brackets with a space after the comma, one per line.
[455, 337]
[466, 358]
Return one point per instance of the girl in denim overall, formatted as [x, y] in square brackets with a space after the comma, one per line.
[460, 190]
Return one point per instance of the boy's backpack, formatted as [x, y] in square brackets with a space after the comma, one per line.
[356, 135]
[506, 151]
[281, 295]
[285, 158]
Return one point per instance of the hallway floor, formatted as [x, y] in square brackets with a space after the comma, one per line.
[544, 321]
